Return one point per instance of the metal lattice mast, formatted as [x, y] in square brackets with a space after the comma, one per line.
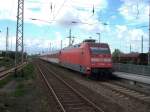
[61, 45]
[70, 37]
[142, 44]
[19, 32]
[7, 41]
[149, 38]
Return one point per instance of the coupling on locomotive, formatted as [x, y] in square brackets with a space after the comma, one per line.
[89, 58]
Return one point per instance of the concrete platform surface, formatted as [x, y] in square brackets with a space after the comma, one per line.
[133, 77]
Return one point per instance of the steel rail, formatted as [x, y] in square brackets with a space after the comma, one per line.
[5, 73]
[127, 92]
[75, 91]
[51, 89]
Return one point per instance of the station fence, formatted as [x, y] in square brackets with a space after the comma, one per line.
[131, 68]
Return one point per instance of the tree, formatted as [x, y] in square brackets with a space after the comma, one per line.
[115, 55]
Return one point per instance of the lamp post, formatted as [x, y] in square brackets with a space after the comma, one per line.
[76, 22]
[99, 37]
[145, 26]
[99, 34]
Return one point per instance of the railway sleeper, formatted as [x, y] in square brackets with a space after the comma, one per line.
[80, 109]
[62, 93]
[128, 92]
[75, 106]
[71, 101]
[68, 98]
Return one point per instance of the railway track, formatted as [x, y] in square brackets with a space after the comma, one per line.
[68, 98]
[126, 92]
[6, 73]
[2, 69]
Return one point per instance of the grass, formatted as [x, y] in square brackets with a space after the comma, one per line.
[20, 90]
[5, 81]
[29, 72]
[6, 62]
[26, 74]
[23, 79]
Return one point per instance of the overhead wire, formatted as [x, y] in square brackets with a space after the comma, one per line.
[87, 8]
[52, 9]
[60, 9]
[55, 16]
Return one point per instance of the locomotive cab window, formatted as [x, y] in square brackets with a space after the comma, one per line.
[99, 50]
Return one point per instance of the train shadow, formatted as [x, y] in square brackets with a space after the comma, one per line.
[103, 78]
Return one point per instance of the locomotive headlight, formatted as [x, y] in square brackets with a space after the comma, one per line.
[100, 59]
[107, 59]
[94, 59]
[97, 59]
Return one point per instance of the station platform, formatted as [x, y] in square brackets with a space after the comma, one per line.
[133, 77]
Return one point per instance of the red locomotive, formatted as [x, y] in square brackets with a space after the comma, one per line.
[90, 58]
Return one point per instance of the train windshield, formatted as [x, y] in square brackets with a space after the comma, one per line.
[99, 50]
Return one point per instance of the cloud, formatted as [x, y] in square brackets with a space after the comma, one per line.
[8, 9]
[125, 36]
[63, 11]
[121, 31]
[77, 14]
[36, 45]
[135, 10]
[11, 42]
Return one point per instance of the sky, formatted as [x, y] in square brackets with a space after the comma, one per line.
[121, 23]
